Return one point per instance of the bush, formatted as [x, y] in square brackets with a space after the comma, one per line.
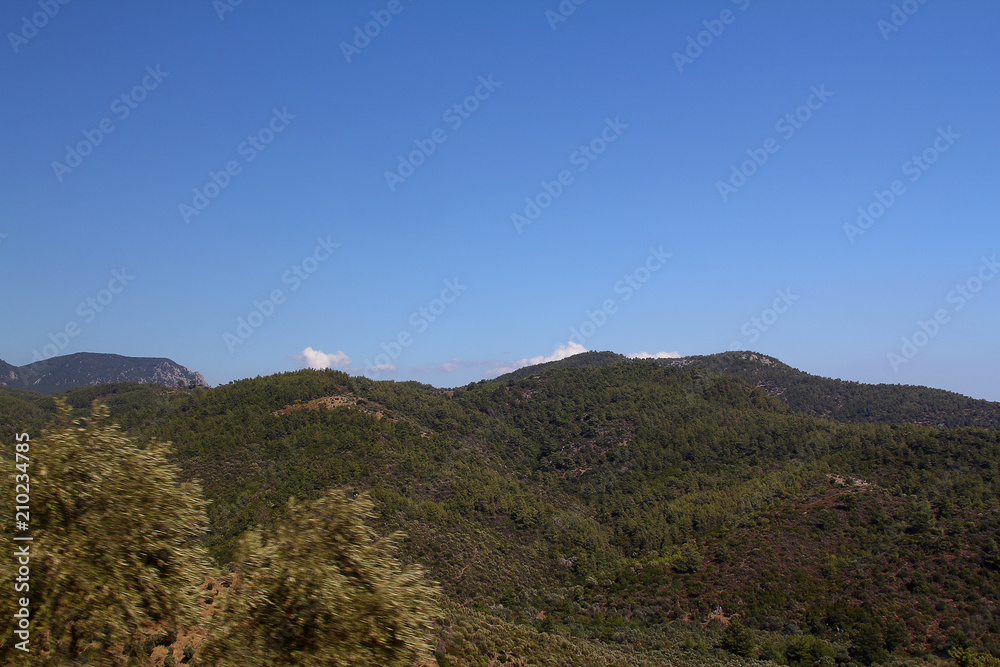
[966, 658]
[113, 554]
[806, 650]
[867, 644]
[322, 590]
[689, 558]
[738, 639]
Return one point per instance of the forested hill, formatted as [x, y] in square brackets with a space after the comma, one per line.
[622, 513]
[582, 360]
[841, 400]
[850, 401]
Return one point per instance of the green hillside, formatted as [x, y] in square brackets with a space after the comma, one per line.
[850, 401]
[618, 512]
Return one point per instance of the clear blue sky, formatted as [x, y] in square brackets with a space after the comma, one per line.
[632, 124]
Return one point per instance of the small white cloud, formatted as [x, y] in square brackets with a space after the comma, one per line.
[311, 358]
[450, 366]
[381, 368]
[658, 355]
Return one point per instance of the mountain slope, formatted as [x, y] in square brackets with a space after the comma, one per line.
[620, 501]
[57, 374]
[23, 411]
[582, 360]
[841, 400]
[619, 512]
[10, 376]
[849, 401]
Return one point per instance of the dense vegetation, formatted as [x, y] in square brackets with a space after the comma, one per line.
[616, 512]
[850, 401]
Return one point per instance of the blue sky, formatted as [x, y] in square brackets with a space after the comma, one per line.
[637, 177]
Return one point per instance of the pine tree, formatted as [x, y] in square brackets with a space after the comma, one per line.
[738, 639]
[867, 643]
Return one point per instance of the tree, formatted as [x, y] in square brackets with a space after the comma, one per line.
[806, 650]
[690, 558]
[113, 555]
[895, 634]
[738, 639]
[322, 590]
[867, 644]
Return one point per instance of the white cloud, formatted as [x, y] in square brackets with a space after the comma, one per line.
[658, 355]
[381, 368]
[450, 366]
[311, 358]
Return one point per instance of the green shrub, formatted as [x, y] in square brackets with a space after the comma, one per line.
[965, 658]
[738, 639]
[112, 552]
[323, 589]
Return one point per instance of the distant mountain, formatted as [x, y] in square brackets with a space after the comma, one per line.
[83, 369]
[10, 376]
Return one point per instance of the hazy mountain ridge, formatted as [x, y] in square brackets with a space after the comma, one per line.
[58, 374]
